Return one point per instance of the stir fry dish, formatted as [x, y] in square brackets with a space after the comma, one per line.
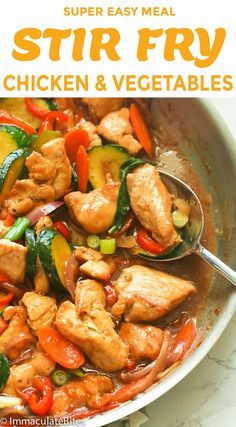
[87, 320]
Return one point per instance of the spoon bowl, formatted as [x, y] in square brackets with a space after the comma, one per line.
[192, 232]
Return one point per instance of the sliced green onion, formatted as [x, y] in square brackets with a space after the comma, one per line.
[93, 241]
[91, 326]
[179, 219]
[76, 372]
[60, 377]
[107, 246]
[18, 229]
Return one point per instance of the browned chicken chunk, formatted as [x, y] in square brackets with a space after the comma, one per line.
[144, 341]
[40, 168]
[25, 195]
[117, 128]
[145, 294]
[90, 326]
[43, 222]
[100, 270]
[90, 128]
[86, 254]
[94, 211]
[22, 376]
[17, 317]
[52, 166]
[151, 203]
[13, 260]
[99, 107]
[76, 394]
[41, 310]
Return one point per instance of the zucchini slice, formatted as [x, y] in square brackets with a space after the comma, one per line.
[4, 370]
[105, 159]
[10, 170]
[7, 145]
[11, 138]
[21, 138]
[54, 251]
[31, 257]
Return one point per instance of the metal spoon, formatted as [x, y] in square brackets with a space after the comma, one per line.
[192, 232]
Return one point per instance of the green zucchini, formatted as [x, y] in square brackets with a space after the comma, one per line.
[7, 145]
[31, 257]
[105, 159]
[10, 170]
[123, 200]
[4, 370]
[21, 138]
[44, 137]
[53, 251]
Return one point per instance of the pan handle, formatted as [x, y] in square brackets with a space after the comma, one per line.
[216, 263]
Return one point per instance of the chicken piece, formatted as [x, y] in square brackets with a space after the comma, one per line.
[144, 341]
[54, 152]
[13, 260]
[86, 254]
[17, 325]
[94, 211]
[90, 326]
[22, 376]
[151, 203]
[40, 168]
[25, 195]
[145, 294]
[41, 310]
[90, 128]
[117, 128]
[100, 107]
[43, 222]
[100, 270]
[88, 391]
[41, 282]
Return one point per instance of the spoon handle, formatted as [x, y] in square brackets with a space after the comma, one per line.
[216, 263]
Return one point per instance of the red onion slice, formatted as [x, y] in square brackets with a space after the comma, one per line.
[43, 210]
[18, 292]
[25, 338]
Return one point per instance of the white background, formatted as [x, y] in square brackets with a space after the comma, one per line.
[44, 14]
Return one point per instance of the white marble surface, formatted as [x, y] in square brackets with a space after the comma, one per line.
[207, 396]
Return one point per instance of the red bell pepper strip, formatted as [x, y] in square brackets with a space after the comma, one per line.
[62, 351]
[73, 139]
[62, 228]
[3, 325]
[182, 342]
[140, 129]
[9, 220]
[34, 109]
[49, 119]
[82, 168]
[41, 406]
[147, 243]
[5, 299]
[8, 119]
[26, 393]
